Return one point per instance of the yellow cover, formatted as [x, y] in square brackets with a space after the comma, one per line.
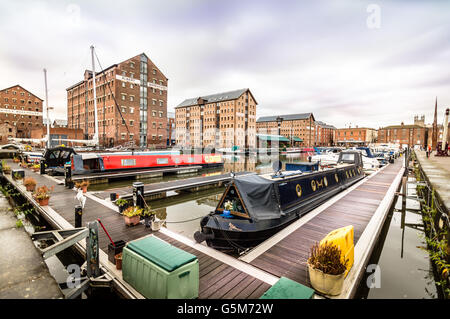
[343, 238]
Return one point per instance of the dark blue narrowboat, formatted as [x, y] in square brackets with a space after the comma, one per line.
[255, 207]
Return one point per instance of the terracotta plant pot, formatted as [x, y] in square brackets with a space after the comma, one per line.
[131, 220]
[30, 188]
[84, 188]
[43, 202]
[325, 283]
[118, 259]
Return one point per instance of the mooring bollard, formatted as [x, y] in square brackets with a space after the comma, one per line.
[42, 167]
[138, 194]
[68, 183]
[78, 216]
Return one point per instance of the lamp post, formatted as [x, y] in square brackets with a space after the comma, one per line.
[279, 120]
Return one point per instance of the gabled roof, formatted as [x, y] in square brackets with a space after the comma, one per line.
[218, 97]
[287, 117]
[403, 126]
[59, 122]
[115, 65]
[22, 89]
[325, 125]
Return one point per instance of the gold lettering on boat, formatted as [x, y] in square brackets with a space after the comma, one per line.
[298, 189]
[325, 181]
[319, 184]
[313, 185]
[336, 178]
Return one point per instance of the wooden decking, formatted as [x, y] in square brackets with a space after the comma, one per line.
[217, 279]
[288, 257]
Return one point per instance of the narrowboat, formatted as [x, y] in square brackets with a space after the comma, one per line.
[255, 207]
[84, 163]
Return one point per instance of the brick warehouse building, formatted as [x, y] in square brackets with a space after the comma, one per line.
[219, 120]
[404, 134]
[20, 109]
[299, 128]
[140, 90]
[356, 136]
[325, 134]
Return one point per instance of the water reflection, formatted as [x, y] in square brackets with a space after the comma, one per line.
[405, 268]
[184, 211]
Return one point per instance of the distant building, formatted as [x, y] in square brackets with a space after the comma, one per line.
[419, 121]
[171, 134]
[325, 134]
[402, 134]
[21, 109]
[224, 120]
[59, 123]
[58, 135]
[131, 104]
[7, 130]
[353, 136]
[300, 128]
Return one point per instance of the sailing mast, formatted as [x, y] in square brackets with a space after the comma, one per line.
[95, 138]
[46, 105]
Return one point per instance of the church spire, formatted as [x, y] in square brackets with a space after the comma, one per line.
[434, 132]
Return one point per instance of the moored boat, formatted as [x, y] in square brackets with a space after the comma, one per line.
[83, 163]
[255, 207]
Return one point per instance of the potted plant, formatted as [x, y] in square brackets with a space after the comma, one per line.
[326, 268]
[18, 177]
[228, 206]
[29, 183]
[149, 216]
[42, 195]
[6, 168]
[16, 160]
[118, 259]
[36, 167]
[132, 215]
[122, 204]
[82, 185]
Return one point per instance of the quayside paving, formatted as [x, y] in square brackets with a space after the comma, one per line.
[437, 170]
[24, 273]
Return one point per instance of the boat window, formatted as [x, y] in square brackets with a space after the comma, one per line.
[65, 154]
[162, 161]
[190, 160]
[348, 157]
[129, 162]
[232, 197]
[54, 154]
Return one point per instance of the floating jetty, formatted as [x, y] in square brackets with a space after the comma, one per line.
[99, 178]
[157, 190]
[365, 205]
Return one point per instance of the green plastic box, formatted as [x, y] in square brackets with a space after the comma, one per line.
[285, 288]
[159, 270]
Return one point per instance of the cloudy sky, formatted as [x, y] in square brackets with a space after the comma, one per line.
[367, 63]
